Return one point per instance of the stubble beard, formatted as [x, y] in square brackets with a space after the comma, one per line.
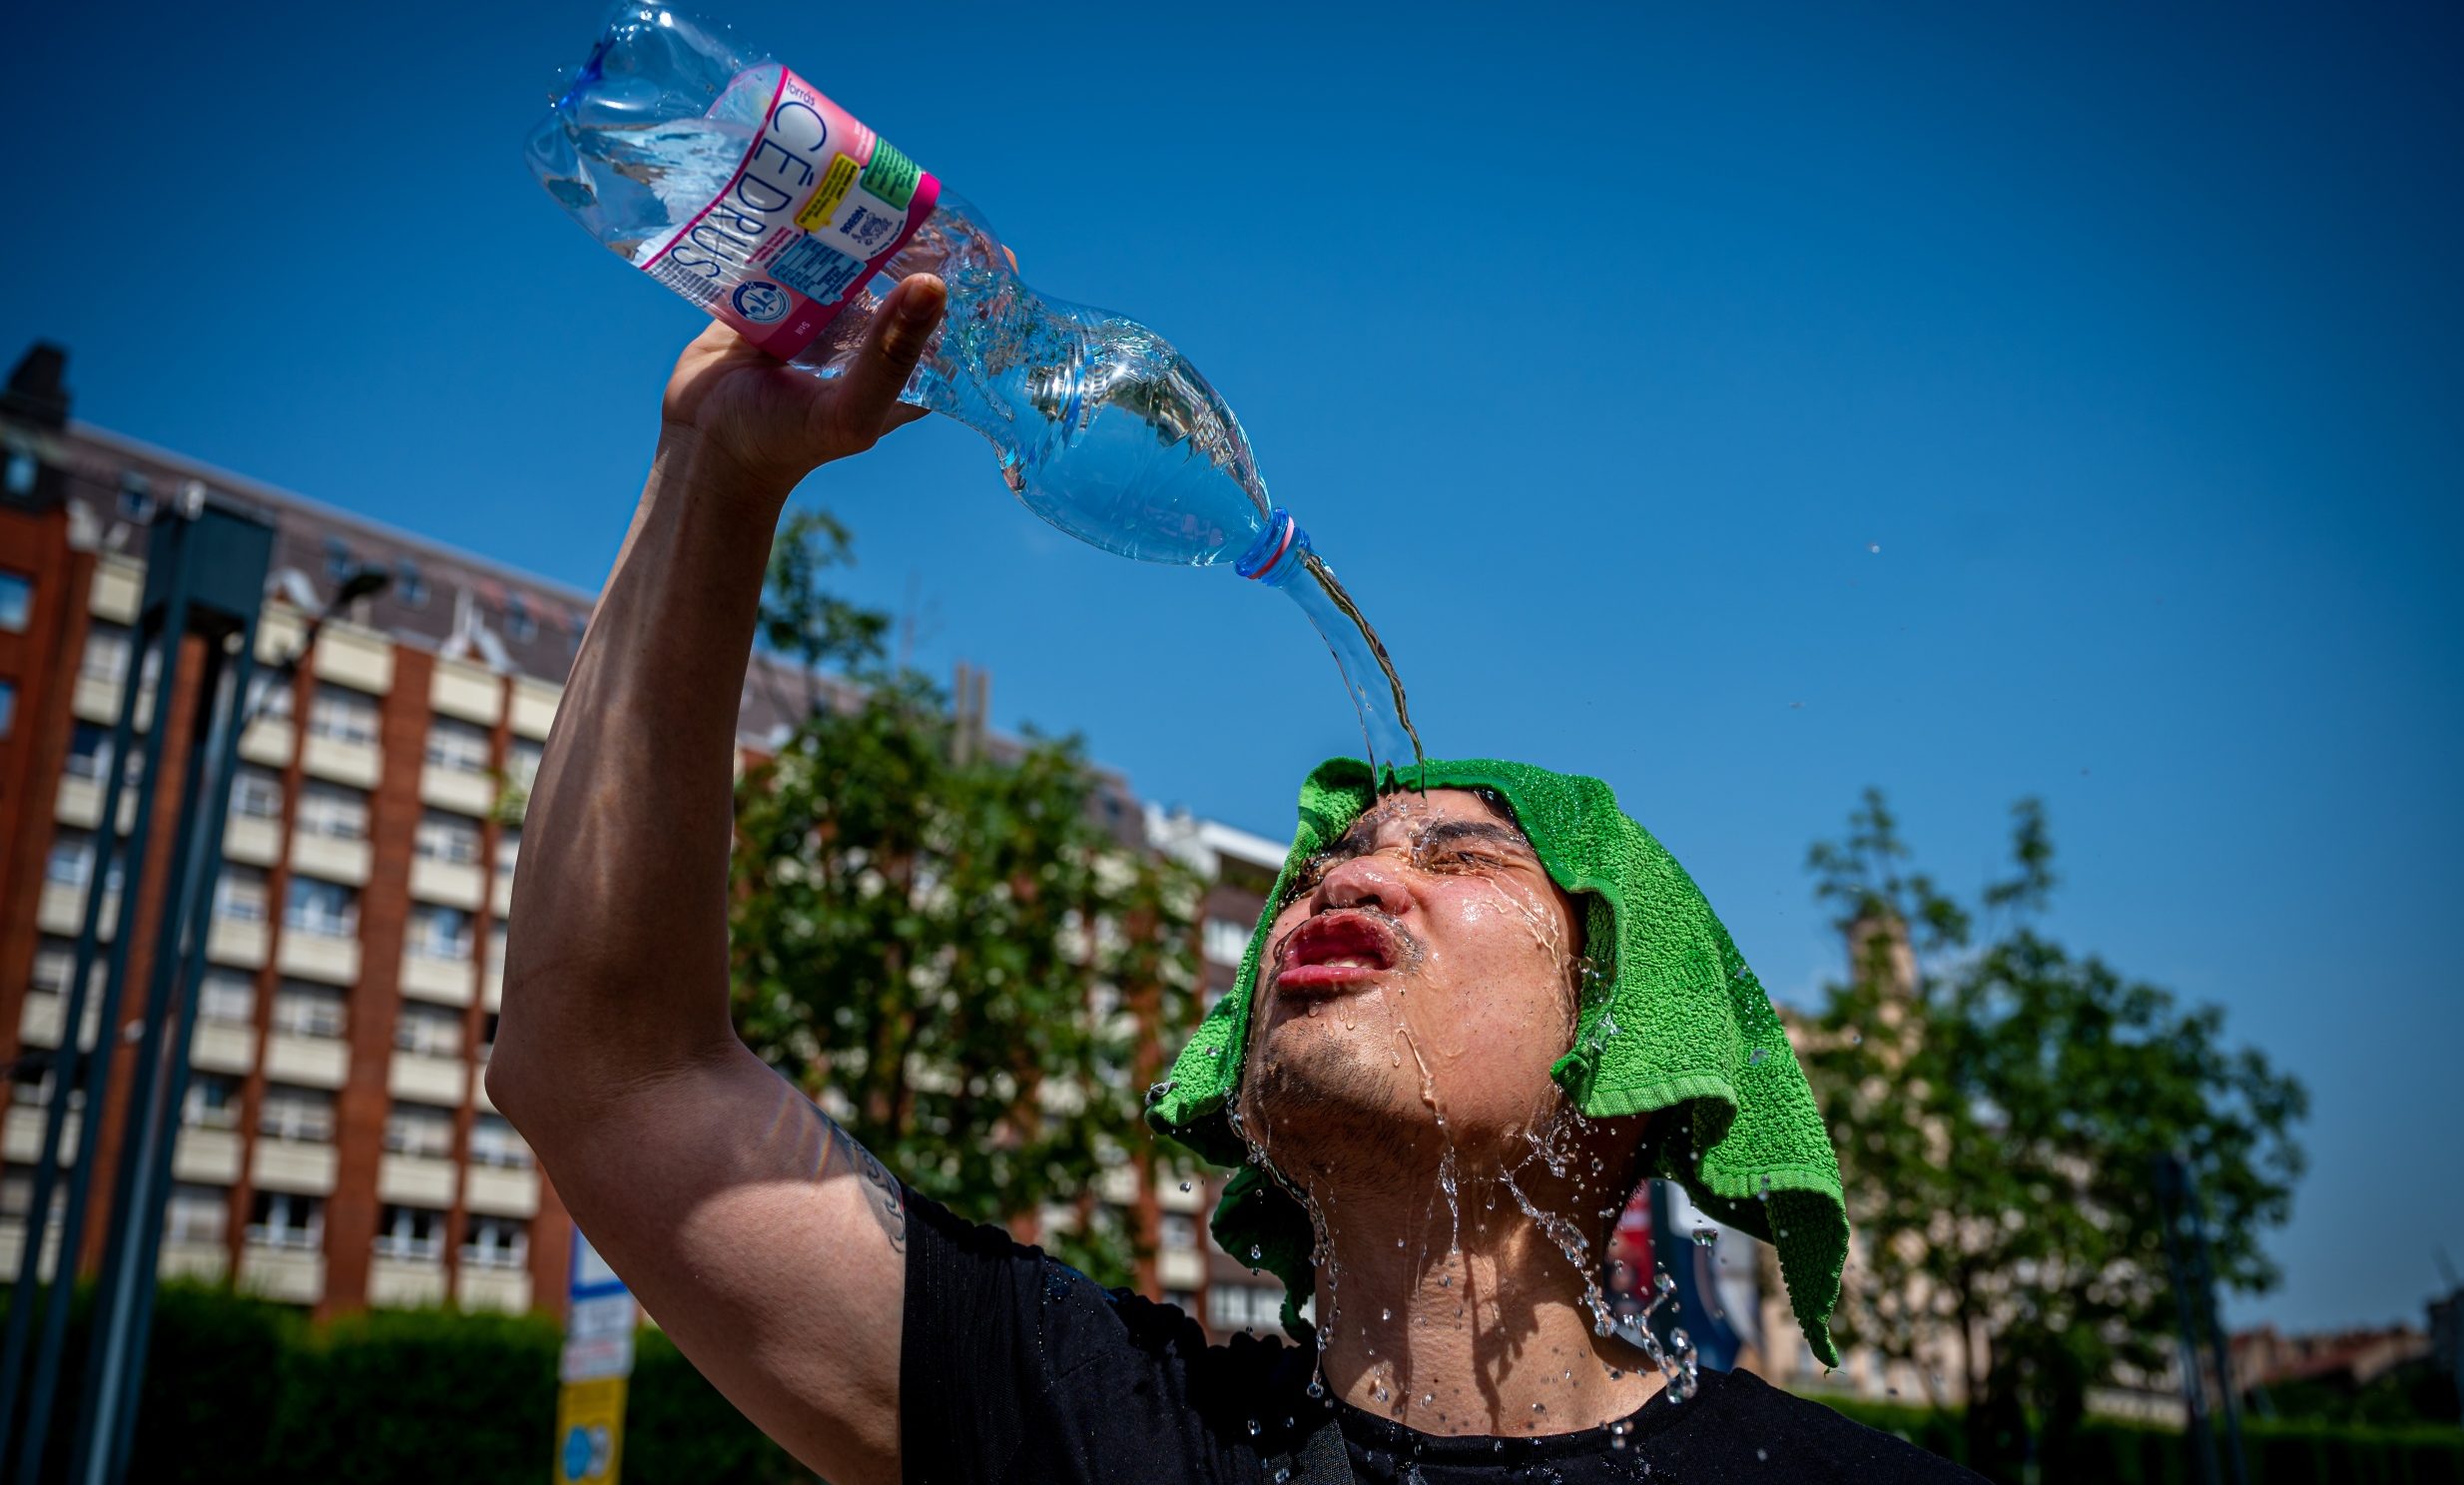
[1328, 1115]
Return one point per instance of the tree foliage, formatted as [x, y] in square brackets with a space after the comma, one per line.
[947, 942]
[1999, 1104]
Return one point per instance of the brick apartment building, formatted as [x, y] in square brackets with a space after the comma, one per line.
[337, 1148]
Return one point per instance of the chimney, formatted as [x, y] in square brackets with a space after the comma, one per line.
[38, 391]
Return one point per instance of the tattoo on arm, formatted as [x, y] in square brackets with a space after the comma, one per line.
[881, 1189]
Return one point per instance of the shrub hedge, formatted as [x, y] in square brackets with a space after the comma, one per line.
[241, 1393]
[2277, 1452]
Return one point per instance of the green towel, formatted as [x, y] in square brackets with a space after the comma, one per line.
[1676, 1021]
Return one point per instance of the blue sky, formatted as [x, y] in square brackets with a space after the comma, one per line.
[1745, 405]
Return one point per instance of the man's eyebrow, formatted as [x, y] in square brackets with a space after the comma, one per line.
[1362, 838]
[1484, 830]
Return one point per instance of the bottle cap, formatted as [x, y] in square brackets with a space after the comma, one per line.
[1278, 551]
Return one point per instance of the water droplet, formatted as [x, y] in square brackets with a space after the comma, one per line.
[1756, 1059]
[1282, 1475]
[1253, 1428]
[1385, 1314]
[1539, 1408]
[1765, 1453]
[1184, 1185]
[1257, 1254]
[1317, 1388]
[1445, 1281]
[1706, 1237]
[1874, 547]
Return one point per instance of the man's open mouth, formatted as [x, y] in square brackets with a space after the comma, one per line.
[1333, 953]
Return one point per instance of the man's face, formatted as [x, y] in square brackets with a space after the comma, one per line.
[1417, 982]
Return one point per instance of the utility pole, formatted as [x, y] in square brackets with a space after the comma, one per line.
[205, 579]
[2185, 1253]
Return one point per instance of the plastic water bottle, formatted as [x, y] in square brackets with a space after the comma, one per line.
[739, 185]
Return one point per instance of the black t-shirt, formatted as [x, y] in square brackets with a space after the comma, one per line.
[1017, 1368]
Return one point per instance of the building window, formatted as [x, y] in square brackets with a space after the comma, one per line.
[1244, 1307]
[1226, 940]
[71, 862]
[410, 585]
[332, 811]
[305, 1009]
[213, 1103]
[227, 997]
[106, 655]
[269, 699]
[302, 1115]
[497, 1242]
[89, 753]
[55, 959]
[8, 707]
[457, 746]
[283, 1220]
[199, 1214]
[239, 894]
[522, 763]
[495, 1142]
[519, 625]
[255, 793]
[339, 562]
[417, 1233]
[326, 909]
[343, 715]
[30, 1082]
[429, 1031]
[21, 470]
[1176, 1232]
[440, 932]
[451, 838]
[508, 851]
[16, 602]
[416, 1130]
[136, 497]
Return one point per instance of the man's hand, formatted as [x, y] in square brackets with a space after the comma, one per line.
[768, 425]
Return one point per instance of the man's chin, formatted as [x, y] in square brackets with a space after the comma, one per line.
[1314, 1090]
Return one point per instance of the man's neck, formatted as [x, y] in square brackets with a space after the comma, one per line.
[1476, 1324]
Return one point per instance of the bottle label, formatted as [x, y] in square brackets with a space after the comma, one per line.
[816, 206]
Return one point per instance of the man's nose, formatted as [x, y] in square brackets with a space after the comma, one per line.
[1364, 882]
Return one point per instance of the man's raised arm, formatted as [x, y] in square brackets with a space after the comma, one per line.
[763, 1240]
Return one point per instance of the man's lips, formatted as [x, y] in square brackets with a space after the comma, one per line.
[1333, 952]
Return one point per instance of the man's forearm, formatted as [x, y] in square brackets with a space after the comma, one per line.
[616, 968]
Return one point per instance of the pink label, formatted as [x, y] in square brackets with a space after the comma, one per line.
[816, 206]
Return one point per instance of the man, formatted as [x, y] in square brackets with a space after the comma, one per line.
[1428, 1165]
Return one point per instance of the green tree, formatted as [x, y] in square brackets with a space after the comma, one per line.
[1999, 1104]
[962, 950]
